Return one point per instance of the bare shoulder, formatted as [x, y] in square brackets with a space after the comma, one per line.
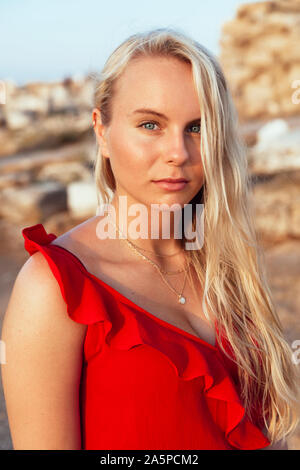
[44, 358]
[84, 241]
[37, 314]
[36, 298]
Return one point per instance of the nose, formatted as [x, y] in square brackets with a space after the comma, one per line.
[175, 150]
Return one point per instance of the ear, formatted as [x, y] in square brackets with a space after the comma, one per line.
[100, 132]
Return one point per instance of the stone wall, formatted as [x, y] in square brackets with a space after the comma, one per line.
[260, 55]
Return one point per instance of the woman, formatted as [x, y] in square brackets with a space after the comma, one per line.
[142, 343]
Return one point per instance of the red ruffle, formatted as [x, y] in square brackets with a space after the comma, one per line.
[90, 300]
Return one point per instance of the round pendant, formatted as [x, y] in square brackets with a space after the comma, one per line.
[182, 300]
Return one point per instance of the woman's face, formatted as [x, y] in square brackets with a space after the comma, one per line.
[142, 146]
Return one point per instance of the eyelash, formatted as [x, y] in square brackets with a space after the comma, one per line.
[153, 122]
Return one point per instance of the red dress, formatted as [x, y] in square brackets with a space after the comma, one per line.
[145, 384]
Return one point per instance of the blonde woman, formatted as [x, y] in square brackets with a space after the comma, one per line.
[130, 342]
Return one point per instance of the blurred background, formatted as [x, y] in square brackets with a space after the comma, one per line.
[49, 56]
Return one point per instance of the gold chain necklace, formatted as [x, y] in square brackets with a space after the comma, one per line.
[181, 298]
[161, 256]
[135, 248]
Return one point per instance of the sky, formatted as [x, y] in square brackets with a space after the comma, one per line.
[49, 40]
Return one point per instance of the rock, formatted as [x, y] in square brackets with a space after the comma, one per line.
[277, 208]
[64, 172]
[82, 199]
[7, 89]
[34, 203]
[81, 90]
[23, 101]
[22, 107]
[40, 115]
[34, 161]
[277, 150]
[2, 117]
[272, 130]
[15, 179]
[9, 145]
[85, 97]
[2, 93]
[59, 100]
[52, 131]
[260, 56]
[17, 120]
[283, 271]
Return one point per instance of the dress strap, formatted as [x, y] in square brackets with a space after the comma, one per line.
[85, 303]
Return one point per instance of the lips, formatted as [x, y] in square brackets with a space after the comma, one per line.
[172, 184]
[173, 180]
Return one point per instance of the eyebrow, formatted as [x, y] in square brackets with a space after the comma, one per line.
[156, 113]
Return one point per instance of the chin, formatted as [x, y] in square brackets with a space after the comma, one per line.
[170, 202]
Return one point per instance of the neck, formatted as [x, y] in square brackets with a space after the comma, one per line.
[146, 231]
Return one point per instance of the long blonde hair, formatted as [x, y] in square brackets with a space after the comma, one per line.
[230, 266]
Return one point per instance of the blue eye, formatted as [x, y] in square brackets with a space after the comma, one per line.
[195, 126]
[154, 124]
[148, 122]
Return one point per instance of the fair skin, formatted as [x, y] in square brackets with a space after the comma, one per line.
[43, 363]
[141, 151]
[44, 345]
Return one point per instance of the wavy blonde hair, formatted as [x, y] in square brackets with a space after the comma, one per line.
[231, 266]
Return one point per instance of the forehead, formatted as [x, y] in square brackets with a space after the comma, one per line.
[156, 82]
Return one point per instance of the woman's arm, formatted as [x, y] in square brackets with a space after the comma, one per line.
[41, 376]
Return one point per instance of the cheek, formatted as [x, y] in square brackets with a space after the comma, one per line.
[130, 152]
